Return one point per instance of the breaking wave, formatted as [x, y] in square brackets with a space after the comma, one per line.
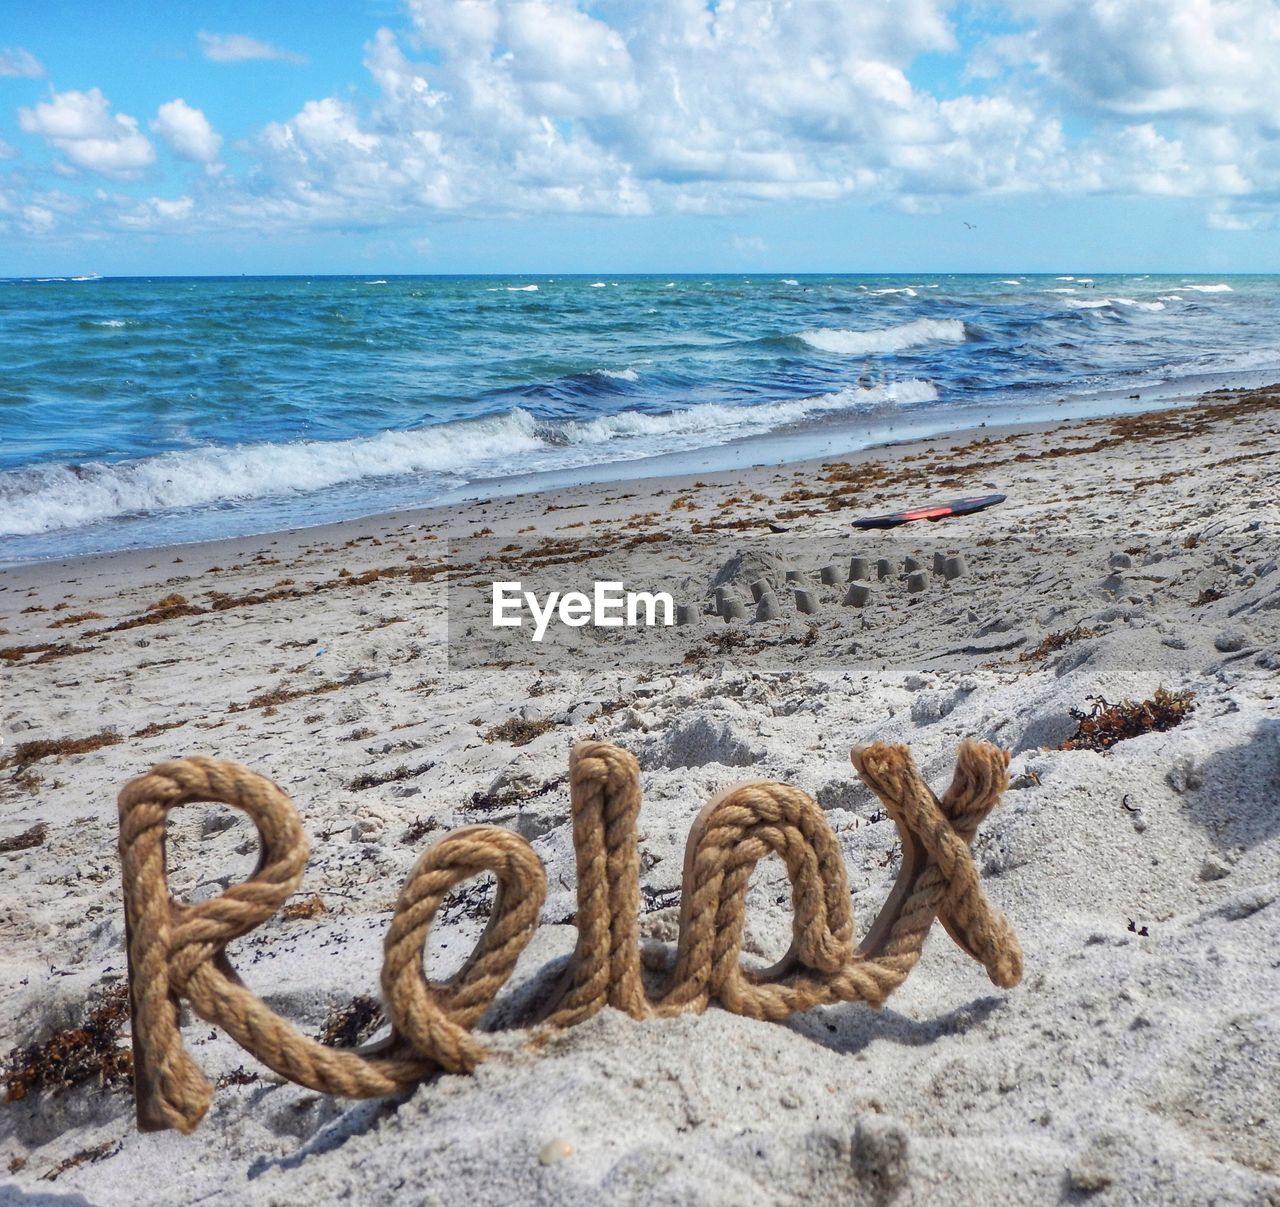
[914, 334]
[1112, 303]
[46, 497]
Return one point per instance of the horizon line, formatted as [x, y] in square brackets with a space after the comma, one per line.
[84, 278]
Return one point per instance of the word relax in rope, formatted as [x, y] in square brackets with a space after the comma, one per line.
[178, 951]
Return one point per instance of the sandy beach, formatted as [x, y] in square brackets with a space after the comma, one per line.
[1138, 1060]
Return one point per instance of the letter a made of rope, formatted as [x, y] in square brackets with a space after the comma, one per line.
[178, 951]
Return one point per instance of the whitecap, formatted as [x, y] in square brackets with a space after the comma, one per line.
[522, 289]
[730, 421]
[1064, 278]
[790, 281]
[41, 498]
[598, 285]
[1099, 303]
[886, 339]
[44, 498]
[617, 374]
[108, 323]
[377, 282]
[911, 293]
[1220, 288]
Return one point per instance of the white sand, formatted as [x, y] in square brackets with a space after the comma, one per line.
[1125, 1067]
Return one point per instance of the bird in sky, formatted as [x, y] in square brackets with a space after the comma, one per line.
[970, 226]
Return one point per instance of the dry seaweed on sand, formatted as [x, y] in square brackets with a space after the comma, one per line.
[350, 1025]
[418, 829]
[75, 1054]
[85, 1156]
[29, 752]
[375, 779]
[1056, 641]
[716, 643]
[308, 907]
[517, 731]
[238, 1076]
[1106, 724]
[33, 837]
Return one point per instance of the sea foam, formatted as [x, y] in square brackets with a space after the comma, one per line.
[914, 334]
[43, 498]
[1101, 303]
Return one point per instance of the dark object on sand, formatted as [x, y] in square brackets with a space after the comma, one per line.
[937, 511]
[1106, 724]
[90, 1050]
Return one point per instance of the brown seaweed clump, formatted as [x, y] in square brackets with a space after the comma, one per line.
[76, 1054]
[1106, 724]
[517, 731]
[308, 907]
[349, 1026]
[43, 748]
[1055, 642]
[34, 837]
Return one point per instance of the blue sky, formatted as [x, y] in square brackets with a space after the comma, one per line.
[672, 135]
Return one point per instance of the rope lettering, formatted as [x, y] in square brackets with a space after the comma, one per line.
[177, 951]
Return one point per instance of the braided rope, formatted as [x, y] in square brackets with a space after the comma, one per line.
[178, 951]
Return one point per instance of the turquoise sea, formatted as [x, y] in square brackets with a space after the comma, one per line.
[137, 412]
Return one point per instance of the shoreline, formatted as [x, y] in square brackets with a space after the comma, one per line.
[454, 508]
[1134, 554]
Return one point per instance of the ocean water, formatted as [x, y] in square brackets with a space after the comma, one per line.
[137, 412]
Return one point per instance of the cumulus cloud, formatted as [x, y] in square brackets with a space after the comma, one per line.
[187, 131]
[1199, 59]
[532, 105]
[82, 126]
[551, 105]
[497, 107]
[155, 212]
[240, 48]
[21, 64]
[1187, 88]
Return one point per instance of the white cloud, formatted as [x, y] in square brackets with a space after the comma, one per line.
[538, 105]
[19, 63]
[154, 212]
[240, 48]
[187, 131]
[38, 220]
[1241, 217]
[6, 151]
[82, 126]
[1184, 95]
[1202, 59]
[498, 107]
